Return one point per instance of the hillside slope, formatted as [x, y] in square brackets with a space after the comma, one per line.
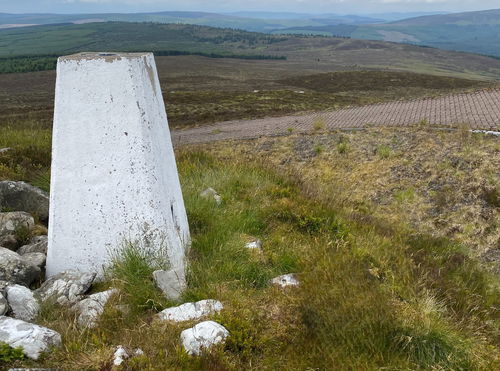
[475, 32]
[310, 54]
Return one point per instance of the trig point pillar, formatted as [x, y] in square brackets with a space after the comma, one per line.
[114, 177]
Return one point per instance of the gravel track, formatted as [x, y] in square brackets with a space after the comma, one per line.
[479, 110]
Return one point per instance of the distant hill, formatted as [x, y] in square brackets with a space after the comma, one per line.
[35, 48]
[249, 21]
[475, 32]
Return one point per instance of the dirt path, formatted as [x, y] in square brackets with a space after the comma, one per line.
[479, 110]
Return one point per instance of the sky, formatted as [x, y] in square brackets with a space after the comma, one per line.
[307, 6]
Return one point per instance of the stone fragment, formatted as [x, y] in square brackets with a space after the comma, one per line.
[14, 269]
[120, 355]
[32, 338]
[66, 287]
[4, 305]
[37, 244]
[211, 193]
[172, 282]
[203, 336]
[21, 196]
[22, 302]
[10, 222]
[8, 241]
[256, 244]
[285, 280]
[191, 311]
[91, 308]
[35, 258]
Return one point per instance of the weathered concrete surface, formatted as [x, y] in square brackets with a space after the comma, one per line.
[114, 176]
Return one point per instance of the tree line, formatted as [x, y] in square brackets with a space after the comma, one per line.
[20, 64]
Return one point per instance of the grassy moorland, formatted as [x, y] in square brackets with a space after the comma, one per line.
[199, 90]
[381, 287]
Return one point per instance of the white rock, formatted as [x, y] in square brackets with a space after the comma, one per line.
[90, 309]
[257, 244]
[212, 193]
[35, 258]
[14, 269]
[32, 338]
[171, 282]
[4, 305]
[191, 311]
[66, 287]
[120, 356]
[125, 187]
[203, 336]
[285, 280]
[22, 302]
[138, 352]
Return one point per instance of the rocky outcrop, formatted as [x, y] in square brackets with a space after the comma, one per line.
[11, 222]
[203, 336]
[14, 269]
[4, 305]
[21, 196]
[23, 304]
[9, 241]
[35, 258]
[91, 308]
[37, 244]
[191, 311]
[66, 287]
[32, 338]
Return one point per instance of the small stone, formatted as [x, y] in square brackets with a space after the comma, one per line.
[191, 311]
[21, 196]
[4, 305]
[212, 193]
[203, 336]
[14, 269]
[35, 258]
[9, 241]
[285, 280]
[3, 150]
[32, 338]
[22, 302]
[172, 283]
[37, 244]
[90, 309]
[256, 244]
[120, 355]
[138, 352]
[10, 222]
[66, 287]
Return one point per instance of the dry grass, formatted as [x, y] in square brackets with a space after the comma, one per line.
[382, 284]
[438, 181]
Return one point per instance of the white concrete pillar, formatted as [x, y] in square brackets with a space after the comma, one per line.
[114, 176]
